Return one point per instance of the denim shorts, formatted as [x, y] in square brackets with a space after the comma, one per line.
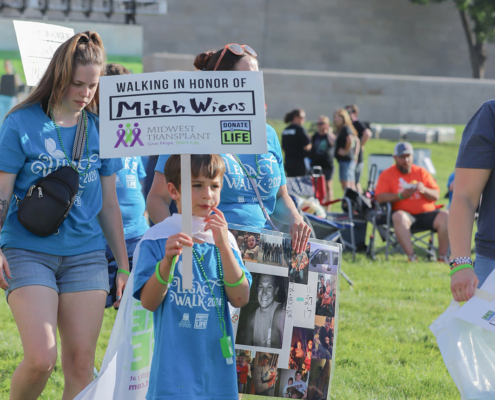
[347, 171]
[64, 274]
[483, 266]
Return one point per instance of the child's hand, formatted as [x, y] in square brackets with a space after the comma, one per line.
[219, 228]
[174, 244]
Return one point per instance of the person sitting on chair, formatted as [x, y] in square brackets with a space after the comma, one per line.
[412, 192]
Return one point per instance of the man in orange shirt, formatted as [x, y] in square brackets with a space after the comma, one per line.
[412, 192]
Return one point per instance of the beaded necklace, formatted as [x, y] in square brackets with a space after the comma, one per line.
[244, 169]
[225, 340]
[71, 163]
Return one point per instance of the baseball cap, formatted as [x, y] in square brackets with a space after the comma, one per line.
[402, 148]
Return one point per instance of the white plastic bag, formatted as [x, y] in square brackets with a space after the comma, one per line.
[125, 370]
[469, 354]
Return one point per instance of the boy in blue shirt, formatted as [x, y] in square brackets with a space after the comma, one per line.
[191, 327]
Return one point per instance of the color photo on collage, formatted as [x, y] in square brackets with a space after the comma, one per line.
[284, 336]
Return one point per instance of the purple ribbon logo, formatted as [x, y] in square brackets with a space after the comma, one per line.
[128, 137]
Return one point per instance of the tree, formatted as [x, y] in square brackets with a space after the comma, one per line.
[478, 22]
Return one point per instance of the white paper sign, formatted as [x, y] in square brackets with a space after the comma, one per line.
[37, 44]
[182, 113]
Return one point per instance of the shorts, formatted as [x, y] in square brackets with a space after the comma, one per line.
[347, 171]
[483, 266]
[424, 221]
[112, 267]
[64, 274]
[359, 170]
[328, 173]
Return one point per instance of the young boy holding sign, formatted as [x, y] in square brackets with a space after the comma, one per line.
[195, 323]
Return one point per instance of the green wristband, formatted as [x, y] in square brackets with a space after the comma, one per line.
[123, 271]
[400, 196]
[237, 283]
[170, 276]
[459, 267]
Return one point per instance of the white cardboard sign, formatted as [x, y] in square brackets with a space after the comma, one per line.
[37, 44]
[182, 113]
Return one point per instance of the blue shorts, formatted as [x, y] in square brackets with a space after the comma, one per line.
[64, 274]
[483, 266]
[347, 171]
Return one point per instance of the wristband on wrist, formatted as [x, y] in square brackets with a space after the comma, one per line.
[460, 261]
[238, 282]
[123, 271]
[459, 267]
[170, 276]
[400, 196]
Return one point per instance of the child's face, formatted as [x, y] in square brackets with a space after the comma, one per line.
[205, 195]
[252, 242]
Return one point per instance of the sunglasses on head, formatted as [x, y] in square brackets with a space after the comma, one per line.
[237, 49]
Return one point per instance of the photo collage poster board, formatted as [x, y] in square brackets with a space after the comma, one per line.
[285, 337]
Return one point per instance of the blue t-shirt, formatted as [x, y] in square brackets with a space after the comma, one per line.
[477, 150]
[131, 199]
[187, 358]
[31, 149]
[238, 199]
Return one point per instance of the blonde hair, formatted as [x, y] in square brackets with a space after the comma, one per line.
[325, 119]
[85, 48]
[347, 120]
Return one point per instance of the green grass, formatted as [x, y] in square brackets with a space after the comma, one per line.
[134, 64]
[384, 347]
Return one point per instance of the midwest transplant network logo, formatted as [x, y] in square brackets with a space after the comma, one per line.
[128, 136]
[236, 132]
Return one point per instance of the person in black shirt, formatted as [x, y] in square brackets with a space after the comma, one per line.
[295, 143]
[363, 134]
[321, 154]
[346, 148]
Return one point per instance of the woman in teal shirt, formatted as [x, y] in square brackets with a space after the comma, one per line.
[239, 201]
[59, 281]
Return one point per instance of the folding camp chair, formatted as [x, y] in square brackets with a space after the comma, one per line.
[381, 220]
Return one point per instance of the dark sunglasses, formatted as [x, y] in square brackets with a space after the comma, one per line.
[237, 49]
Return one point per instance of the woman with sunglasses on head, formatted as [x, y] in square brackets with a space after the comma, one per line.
[59, 280]
[238, 199]
[346, 148]
[322, 149]
[295, 143]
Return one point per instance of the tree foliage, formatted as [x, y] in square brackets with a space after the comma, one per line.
[478, 20]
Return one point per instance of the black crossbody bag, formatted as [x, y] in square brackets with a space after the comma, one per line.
[49, 201]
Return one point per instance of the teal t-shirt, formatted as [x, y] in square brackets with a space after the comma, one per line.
[130, 195]
[31, 149]
[186, 327]
[238, 199]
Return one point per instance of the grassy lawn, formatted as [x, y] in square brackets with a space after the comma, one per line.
[384, 348]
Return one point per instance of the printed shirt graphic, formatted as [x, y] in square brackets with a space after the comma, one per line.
[238, 200]
[300, 386]
[393, 181]
[131, 199]
[187, 329]
[31, 149]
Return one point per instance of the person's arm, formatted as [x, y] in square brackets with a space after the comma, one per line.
[153, 291]
[278, 327]
[286, 212]
[366, 136]
[469, 186]
[331, 138]
[239, 295]
[392, 197]
[357, 148]
[158, 199]
[430, 194]
[7, 181]
[110, 219]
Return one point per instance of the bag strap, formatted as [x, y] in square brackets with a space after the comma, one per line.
[265, 212]
[80, 139]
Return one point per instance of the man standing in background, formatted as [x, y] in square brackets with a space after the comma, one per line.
[364, 134]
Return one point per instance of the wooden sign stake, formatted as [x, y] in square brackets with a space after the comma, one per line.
[186, 200]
